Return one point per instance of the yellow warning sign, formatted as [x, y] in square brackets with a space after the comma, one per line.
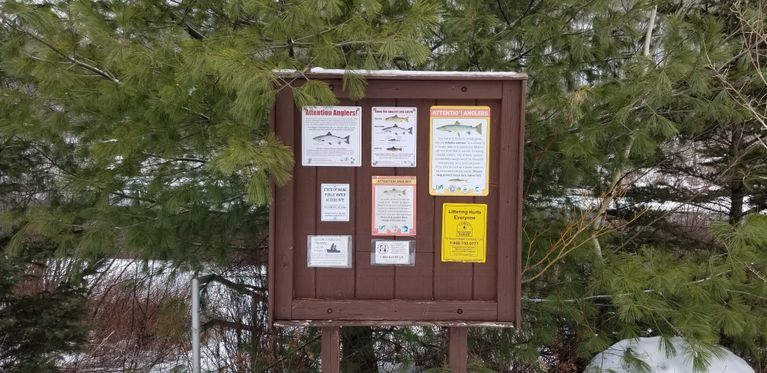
[464, 229]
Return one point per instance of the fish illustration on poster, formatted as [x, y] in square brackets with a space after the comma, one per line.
[394, 135]
[459, 150]
[393, 206]
[331, 136]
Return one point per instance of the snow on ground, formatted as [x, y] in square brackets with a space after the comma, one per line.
[653, 353]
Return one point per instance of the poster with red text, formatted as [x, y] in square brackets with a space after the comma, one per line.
[331, 136]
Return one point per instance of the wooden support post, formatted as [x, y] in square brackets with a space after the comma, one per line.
[331, 359]
[458, 349]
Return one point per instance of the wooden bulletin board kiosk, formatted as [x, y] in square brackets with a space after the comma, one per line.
[404, 207]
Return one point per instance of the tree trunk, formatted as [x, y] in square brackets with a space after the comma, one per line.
[737, 189]
[357, 347]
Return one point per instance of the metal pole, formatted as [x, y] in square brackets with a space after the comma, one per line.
[195, 325]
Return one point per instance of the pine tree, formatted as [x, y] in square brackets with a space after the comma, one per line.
[140, 127]
[41, 313]
[151, 117]
[609, 97]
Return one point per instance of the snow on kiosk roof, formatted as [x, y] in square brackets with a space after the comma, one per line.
[319, 72]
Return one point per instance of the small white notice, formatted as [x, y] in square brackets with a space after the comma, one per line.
[329, 251]
[387, 252]
[331, 136]
[394, 206]
[334, 203]
[394, 136]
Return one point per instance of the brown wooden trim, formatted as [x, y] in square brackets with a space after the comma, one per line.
[520, 113]
[432, 323]
[431, 292]
[506, 238]
[284, 245]
[436, 90]
[427, 79]
[272, 254]
[394, 310]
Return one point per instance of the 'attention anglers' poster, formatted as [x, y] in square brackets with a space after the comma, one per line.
[331, 136]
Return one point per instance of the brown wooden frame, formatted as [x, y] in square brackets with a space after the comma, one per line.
[434, 293]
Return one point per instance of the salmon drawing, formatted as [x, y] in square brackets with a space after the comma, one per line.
[331, 139]
[395, 192]
[396, 119]
[457, 127]
[397, 129]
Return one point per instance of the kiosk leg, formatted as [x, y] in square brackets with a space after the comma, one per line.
[331, 359]
[458, 351]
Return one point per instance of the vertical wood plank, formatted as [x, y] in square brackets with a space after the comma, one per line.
[424, 201]
[484, 274]
[372, 282]
[272, 224]
[416, 282]
[304, 179]
[519, 113]
[452, 281]
[458, 350]
[508, 202]
[338, 283]
[330, 349]
[284, 246]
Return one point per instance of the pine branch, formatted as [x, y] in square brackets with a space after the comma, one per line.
[720, 177]
[503, 12]
[611, 296]
[241, 288]
[610, 196]
[183, 22]
[228, 324]
[73, 59]
[289, 354]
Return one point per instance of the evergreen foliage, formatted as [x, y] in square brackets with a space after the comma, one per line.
[141, 127]
[603, 111]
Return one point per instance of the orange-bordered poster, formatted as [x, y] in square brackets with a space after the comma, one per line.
[393, 206]
[459, 150]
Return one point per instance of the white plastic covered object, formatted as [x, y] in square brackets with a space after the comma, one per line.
[652, 352]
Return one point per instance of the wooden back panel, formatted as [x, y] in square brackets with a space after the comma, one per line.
[431, 292]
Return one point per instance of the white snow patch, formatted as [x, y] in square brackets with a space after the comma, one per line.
[653, 352]
[405, 73]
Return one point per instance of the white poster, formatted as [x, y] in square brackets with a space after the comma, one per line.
[334, 203]
[331, 136]
[459, 150]
[394, 205]
[393, 252]
[329, 251]
[394, 136]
